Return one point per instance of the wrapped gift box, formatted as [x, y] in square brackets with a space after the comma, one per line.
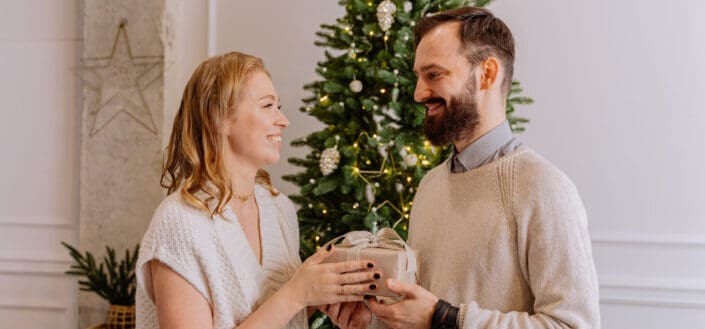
[391, 255]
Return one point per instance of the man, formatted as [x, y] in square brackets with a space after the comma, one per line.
[502, 233]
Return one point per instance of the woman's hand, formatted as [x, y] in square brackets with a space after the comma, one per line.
[318, 284]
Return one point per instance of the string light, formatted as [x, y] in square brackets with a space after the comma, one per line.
[408, 179]
[383, 91]
[324, 211]
[355, 144]
[317, 238]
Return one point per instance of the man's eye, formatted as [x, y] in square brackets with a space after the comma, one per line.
[432, 75]
[279, 107]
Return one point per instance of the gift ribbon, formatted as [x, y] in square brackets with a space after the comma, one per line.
[385, 238]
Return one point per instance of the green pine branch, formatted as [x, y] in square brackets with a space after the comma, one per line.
[112, 280]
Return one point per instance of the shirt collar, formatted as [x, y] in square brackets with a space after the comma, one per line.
[480, 150]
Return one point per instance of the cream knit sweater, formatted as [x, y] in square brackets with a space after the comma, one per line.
[509, 242]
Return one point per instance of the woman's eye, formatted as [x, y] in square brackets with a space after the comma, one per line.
[268, 105]
[279, 107]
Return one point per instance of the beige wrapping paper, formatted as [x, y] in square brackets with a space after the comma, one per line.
[391, 255]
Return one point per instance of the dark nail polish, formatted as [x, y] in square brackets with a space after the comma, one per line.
[377, 276]
[368, 296]
[328, 248]
[373, 286]
[370, 265]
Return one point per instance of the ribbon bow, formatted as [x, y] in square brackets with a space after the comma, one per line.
[385, 238]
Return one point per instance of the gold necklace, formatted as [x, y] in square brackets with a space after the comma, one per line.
[243, 197]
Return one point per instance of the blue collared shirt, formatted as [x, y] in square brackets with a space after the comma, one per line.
[496, 143]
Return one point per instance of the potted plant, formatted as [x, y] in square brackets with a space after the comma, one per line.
[111, 279]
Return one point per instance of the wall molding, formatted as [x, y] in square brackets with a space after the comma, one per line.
[212, 27]
[652, 292]
[663, 285]
[651, 302]
[661, 240]
[36, 221]
[36, 267]
[35, 307]
[685, 293]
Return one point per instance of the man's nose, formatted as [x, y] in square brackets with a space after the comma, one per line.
[421, 93]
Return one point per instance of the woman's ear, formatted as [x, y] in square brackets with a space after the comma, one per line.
[223, 127]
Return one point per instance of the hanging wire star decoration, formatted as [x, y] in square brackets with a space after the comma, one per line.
[119, 80]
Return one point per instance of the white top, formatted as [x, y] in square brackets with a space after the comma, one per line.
[214, 256]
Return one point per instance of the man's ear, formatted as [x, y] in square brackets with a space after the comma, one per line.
[489, 72]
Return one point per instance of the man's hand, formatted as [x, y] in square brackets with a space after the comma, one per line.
[415, 311]
[352, 315]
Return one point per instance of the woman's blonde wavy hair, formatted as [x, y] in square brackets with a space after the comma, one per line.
[194, 155]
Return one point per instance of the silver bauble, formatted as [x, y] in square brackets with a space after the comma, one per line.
[355, 86]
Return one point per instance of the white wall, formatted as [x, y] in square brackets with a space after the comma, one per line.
[618, 87]
[39, 138]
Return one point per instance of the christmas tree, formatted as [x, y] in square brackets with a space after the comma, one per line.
[364, 167]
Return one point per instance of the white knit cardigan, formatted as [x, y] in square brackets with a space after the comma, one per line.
[214, 256]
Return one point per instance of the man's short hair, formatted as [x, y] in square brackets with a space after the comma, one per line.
[482, 34]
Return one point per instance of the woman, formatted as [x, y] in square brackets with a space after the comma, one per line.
[222, 248]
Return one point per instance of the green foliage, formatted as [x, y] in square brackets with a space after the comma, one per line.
[377, 130]
[112, 280]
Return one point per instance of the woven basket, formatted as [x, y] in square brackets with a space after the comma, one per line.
[121, 317]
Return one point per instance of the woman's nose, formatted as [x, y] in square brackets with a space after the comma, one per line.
[282, 120]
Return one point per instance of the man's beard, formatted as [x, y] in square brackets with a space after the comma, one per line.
[458, 120]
